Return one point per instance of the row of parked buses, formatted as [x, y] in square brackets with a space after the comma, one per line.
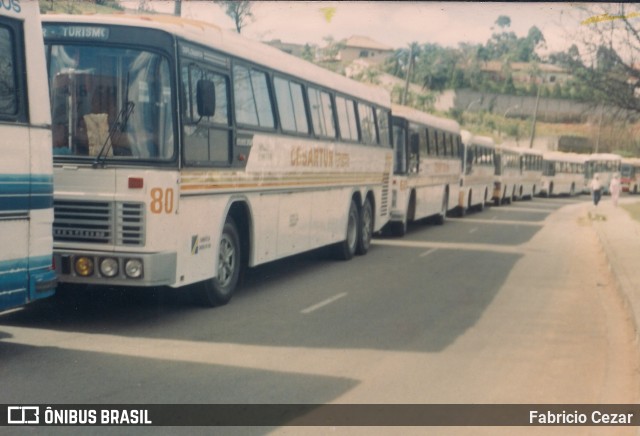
[183, 155]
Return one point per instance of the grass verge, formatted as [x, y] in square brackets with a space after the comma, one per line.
[633, 209]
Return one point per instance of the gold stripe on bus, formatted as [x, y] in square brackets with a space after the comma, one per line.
[312, 180]
[274, 184]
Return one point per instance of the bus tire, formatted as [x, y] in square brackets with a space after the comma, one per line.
[346, 249]
[217, 291]
[366, 228]
[398, 228]
[440, 218]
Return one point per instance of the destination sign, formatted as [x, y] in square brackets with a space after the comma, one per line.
[76, 32]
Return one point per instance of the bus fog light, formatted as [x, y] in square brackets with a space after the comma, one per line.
[109, 267]
[84, 266]
[133, 268]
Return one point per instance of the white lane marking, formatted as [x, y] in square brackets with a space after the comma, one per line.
[473, 230]
[494, 220]
[519, 249]
[521, 209]
[428, 252]
[323, 303]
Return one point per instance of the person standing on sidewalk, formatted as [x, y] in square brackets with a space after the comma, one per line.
[596, 189]
[615, 188]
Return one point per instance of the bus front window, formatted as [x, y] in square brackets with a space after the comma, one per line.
[110, 102]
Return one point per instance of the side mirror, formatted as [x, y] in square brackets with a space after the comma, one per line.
[206, 98]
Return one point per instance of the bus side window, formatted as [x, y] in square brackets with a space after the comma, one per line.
[383, 126]
[13, 99]
[435, 147]
[347, 119]
[471, 158]
[291, 108]
[367, 124]
[253, 105]
[207, 139]
[399, 142]
[414, 151]
[322, 114]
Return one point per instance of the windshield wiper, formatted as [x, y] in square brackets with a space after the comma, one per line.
[117, 127]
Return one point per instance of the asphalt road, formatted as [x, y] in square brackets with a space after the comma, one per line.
[511, 305]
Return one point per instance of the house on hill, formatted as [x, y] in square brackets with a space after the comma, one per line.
[362, 47]
[523, 72]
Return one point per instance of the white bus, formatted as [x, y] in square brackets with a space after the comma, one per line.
[603, 164]
[630, 175]
[478, 172]
[184, 153]
[563, 173]
[26, 178]
[427, 167]
[530, 173]
[507, 175]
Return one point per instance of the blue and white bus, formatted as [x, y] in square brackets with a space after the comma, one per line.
[26, 178]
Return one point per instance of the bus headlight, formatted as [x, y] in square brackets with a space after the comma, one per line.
[133, 268]
[109, 267]
[83, 266]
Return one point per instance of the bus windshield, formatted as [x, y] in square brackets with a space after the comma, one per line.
[111, 103]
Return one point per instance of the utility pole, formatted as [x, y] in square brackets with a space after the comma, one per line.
[535, 116]
[535, 111]
[409, 69]
[599, 128]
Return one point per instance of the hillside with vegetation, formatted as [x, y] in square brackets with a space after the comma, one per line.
[506, 64]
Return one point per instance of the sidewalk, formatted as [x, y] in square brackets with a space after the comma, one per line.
[619, 235]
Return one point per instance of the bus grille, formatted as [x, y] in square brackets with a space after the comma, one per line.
[99, 222]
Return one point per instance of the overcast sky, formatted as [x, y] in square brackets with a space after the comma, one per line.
[395, 23]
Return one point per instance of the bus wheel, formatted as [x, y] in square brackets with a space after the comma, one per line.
[440, 218]
[398, 228]
[218, 291]
[366, 228]
[346, 249]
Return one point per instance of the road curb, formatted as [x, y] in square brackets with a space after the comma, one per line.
[621, 269]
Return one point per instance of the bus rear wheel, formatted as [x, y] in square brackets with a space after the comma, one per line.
[346, 249]
[366, 228]
[217, 291]
[398, 228]
[440, 218]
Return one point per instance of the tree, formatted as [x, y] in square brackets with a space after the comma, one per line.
[606, 67]
[503, 21]
[143, 6]
[238, 10]
[308, 53]
[525, 48]
[437, 67]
